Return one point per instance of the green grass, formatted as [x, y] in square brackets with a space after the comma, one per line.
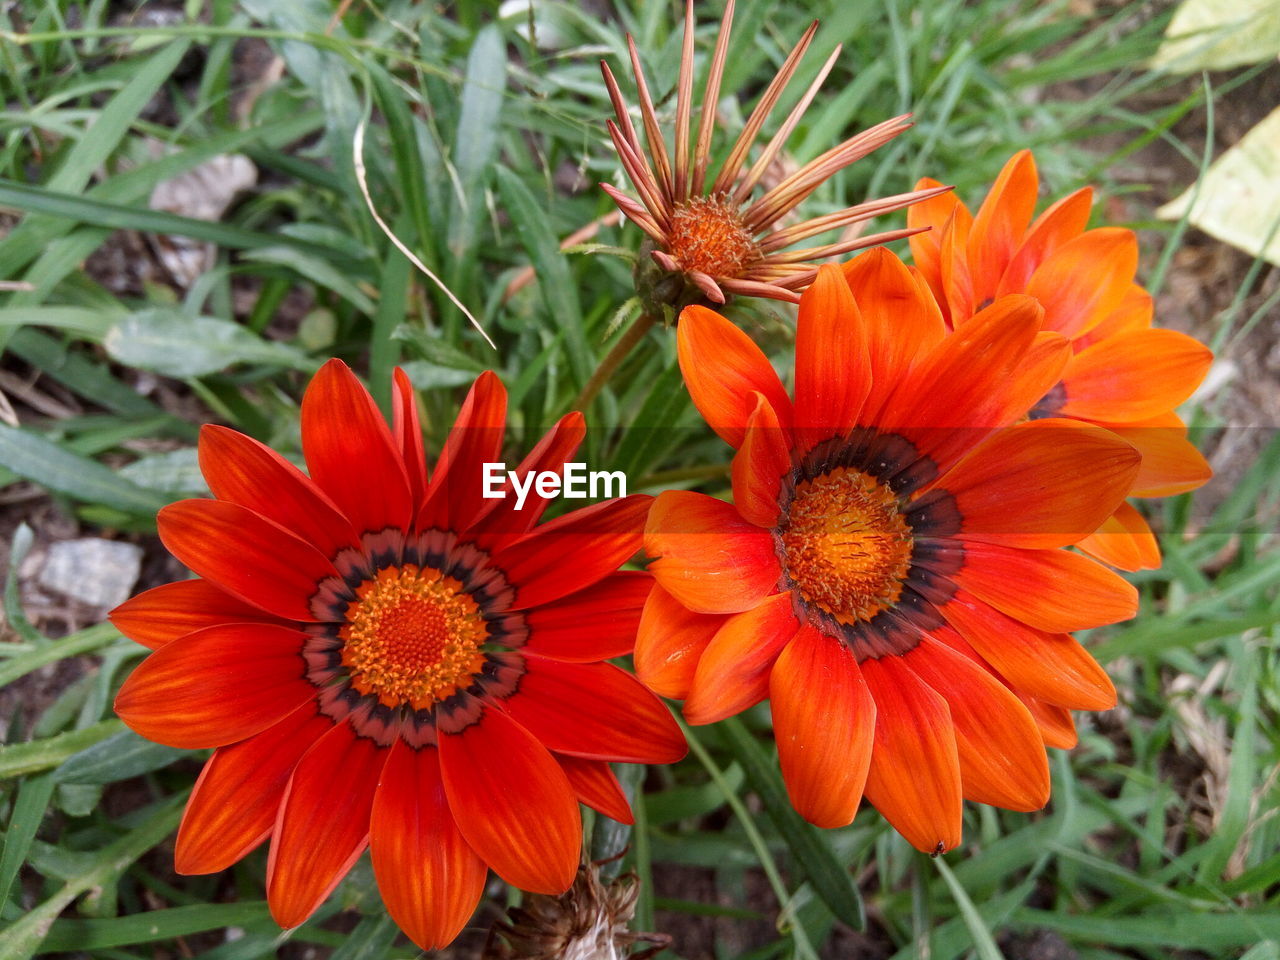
[473, 135]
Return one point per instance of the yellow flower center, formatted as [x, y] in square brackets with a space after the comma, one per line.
[707, 234]
[413, 636]
[846, 544]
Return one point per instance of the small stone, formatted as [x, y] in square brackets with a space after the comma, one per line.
[97, 572]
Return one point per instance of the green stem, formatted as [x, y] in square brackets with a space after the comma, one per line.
[613, 359]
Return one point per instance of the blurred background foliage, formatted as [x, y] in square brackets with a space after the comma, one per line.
[185, 239]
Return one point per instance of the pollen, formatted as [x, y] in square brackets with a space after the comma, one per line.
[413, 637]
[846, 545]
[707, 235]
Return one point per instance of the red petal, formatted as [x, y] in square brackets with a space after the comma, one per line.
[430, 880]
[596, 786]
[574, 551]
[455, 497]
[241, 470]
[173, 610]
[236, 799]
[708, 557]
[1053, 590]
[926, 247]
[832, 367]
[1002, 758]
[724, 369]
[1063, 221]
[216, 686]
[1050, 666]
[596, 711]
[824, 721]
[350, 451]
[1001, 222]
[597, 623]
[759, 466]
[733, 673]
[246, 555]
[323, 824]
[513, 803]
[1085, 279]
[953, 260]
[1124, 540]
[1134, 376]
[669, 643]
[1041, 484]
[914, 779]
[408, 434]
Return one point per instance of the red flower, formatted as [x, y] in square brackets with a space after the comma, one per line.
[389, 660]
[1122, 374]
[890, 574]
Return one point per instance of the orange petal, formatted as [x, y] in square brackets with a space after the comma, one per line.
[1085, 279]
[1002, 758]
[598, 538]
[914, 778]
[235, 801]
[953, 259]
[173, 610]
[724, 369]
[1041, 484]
[1057, 729]
[832, 373]
[513, 803]
[1124, 540]
[455, 496]
[926, 247]
[1051, 666]
[596, 786]
[408, 433]
[1134, 376]
[597, 623]
[245, 554]
[1054, 590]
[430, 880]
[1135, 312]
[669, 643]
[1170, 462]
[323, 824]
[824, 721]
[760, 465]
[1001, 222]
[216, 686]
[1061, 222]
[350, 451]
[241, 470]
[708, 557]
[733, 673]
[596, 711]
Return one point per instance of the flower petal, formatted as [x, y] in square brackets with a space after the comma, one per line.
[597, 623]
[1001, 222]
[238, 794]
[926, 247]
[824, 721]
[708, 557]
[216, 686]
[172, 610]
[1063, 221]
[669, 643]
[723, 369]
[1085, 279]
[246, 555]
[513, 803]
[596, 711]
[350, 451]
[1124, 540]
[598, 538]
[1057, 729]
[455, 496]
[914, 779]
[831, 368]
[1171, 464]
[323, 824]
[1041, 484]
[430, 880]
[596, 786]
[241, 470]
[733, 673]
[759, 466]
[953, 261]
[1002, 758]
[1050, 666]
[407, 431]
[1134, 376]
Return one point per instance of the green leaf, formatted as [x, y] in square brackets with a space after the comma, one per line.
[476, 144]
[20, 759]
[78, 321]
[151, 926]
[175, 344]
[320, 272]
[1218, 35]
[370, 940]
[983, 943]
[50, 465]
[28, 812]
[119, 757]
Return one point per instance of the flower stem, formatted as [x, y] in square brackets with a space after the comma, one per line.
[613, 359]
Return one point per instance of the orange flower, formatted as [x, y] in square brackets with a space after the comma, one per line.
[1122, 374]
[890, 574]
[716, 235]
[389, 661]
